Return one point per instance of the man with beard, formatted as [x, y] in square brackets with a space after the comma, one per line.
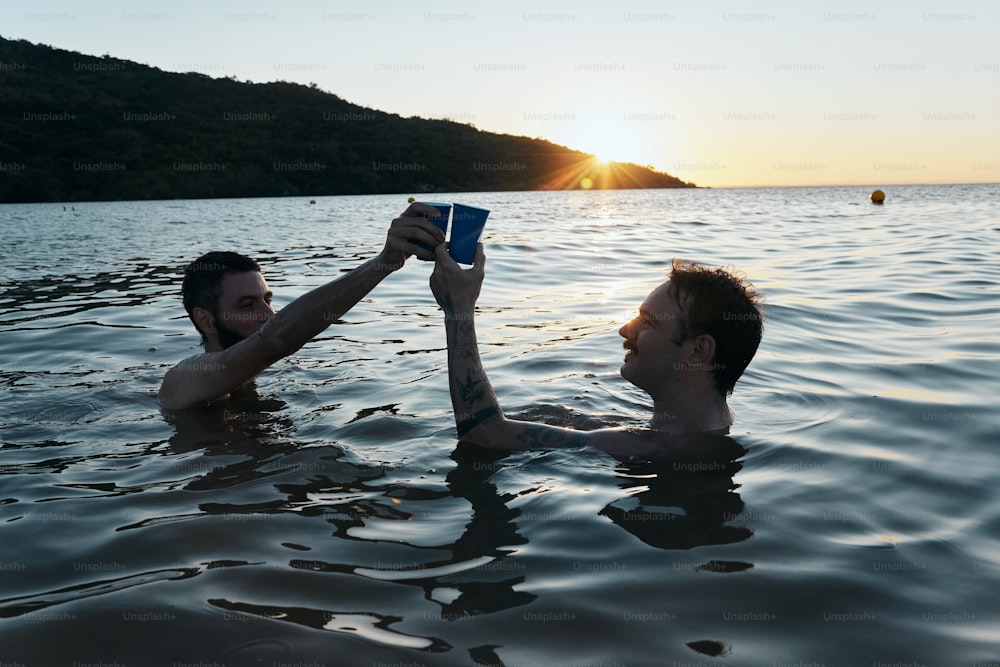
[694, 336]
[229, 302]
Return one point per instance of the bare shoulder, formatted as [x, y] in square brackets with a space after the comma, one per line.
[211, 376]
[625, 443]
[182, 386]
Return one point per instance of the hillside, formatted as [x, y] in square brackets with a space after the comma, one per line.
[75, 127]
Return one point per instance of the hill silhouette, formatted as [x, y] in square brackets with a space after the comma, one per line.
[75, 127]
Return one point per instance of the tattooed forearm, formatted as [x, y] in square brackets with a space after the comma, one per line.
[543, 435]
[472, 397]
[474, 388]
[478, 416]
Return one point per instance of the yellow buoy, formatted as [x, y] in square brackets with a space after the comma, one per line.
[312, 201]
[410, 200]
[878, 197]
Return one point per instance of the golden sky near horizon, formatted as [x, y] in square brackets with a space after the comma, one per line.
[722, 94]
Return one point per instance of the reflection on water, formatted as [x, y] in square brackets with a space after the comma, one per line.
[682, 506]
[225, 455]
[246, 422]
[373, 627]
[31, 604]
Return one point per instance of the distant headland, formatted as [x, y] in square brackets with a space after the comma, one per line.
[75, 127]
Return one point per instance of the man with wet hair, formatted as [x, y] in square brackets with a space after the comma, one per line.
[229, 303]
[202, 290]
[694, 336]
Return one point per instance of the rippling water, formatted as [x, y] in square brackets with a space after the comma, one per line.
[331, 520]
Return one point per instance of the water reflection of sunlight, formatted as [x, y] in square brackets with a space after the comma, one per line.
[879, 453]
[922, 395]
[610, 292]
[768, 276]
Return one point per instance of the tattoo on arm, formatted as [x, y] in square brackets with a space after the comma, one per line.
[472, 390]
[543, 435]
[468, 423]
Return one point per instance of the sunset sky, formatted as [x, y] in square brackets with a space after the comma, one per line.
[724, 94]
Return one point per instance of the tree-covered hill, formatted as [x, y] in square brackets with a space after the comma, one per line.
[75, 127]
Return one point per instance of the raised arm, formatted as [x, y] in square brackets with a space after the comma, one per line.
[479, 418]
[211, 375]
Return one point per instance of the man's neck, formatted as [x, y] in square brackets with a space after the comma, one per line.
[691, 413]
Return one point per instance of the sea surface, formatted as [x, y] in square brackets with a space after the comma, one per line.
[332, 520]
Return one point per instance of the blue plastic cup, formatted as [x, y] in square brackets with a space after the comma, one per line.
[467, 224]
[441, 221]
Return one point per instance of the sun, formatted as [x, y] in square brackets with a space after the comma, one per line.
[590, 173]
[597, 169]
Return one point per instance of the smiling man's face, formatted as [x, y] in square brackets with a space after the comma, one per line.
[655, 355]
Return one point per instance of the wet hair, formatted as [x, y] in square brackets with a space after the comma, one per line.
[723, 305]
[202, 287]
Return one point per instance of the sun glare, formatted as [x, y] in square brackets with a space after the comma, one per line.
[590, 173]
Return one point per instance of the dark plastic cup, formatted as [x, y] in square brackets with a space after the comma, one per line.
[441, 221]
[467, 224]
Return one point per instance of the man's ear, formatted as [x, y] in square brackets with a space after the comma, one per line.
[702, 349]
[204, 321]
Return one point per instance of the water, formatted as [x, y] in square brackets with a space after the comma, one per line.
[331, 520]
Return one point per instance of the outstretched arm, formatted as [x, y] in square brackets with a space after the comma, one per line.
[479, 418]
[209, 375]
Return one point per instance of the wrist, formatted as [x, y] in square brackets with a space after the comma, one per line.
[385, 263]
[460, 315]
[458, 309]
